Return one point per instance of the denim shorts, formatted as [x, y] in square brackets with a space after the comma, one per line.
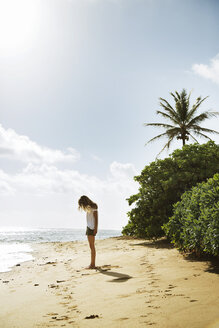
[89, 232]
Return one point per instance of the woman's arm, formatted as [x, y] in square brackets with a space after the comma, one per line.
[95, 222]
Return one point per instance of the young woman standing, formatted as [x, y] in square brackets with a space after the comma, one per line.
[91, 210]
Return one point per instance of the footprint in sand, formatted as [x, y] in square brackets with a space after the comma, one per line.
[151, 274]
[151, 323]
[59, 281]
[68, 297]
[151, 283]
[141, 290]
[156, 307]
[63, 317]
[144, 263]
[168, 294]
[156, 295]
[72, 307]
[64, 303]
[124, 295]
[92, 316]
[53, 286]
[178, 295]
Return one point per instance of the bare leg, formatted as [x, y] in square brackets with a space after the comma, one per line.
[91, 240]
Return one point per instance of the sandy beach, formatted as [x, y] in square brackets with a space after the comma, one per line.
[137, 284]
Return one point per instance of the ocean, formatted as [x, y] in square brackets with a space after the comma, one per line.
[15, 243]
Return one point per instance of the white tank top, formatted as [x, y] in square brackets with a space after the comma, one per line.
[91, 219]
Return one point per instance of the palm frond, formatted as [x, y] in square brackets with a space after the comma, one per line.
[178, 95]
[184, 105]
[199, 128]
[193, 137]
[181, 104]
[168, 116]
[202, 134]
[178, 106]
[169, 109]
[188, 98]
[167, 145]
[168, 105]
[157, 137]
[199, 101]
[203, 116]
[174, 132]
[163, 125]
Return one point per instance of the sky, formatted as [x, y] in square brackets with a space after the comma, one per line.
[78, 80]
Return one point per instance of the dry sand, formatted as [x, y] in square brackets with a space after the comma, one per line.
[139, 284]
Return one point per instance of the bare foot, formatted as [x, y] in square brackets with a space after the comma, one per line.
[91, 267]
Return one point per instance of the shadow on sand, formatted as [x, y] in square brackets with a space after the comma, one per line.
[160, 243]
[212, 262]
[119, 277]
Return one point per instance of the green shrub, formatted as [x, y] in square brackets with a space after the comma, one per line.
[163, 182]
[194, 225]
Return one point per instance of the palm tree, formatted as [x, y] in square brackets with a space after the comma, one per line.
[183, 119]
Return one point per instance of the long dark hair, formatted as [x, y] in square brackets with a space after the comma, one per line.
[86, 204]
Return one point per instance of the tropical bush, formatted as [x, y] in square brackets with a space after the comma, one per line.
[163, 182]
[194, 225]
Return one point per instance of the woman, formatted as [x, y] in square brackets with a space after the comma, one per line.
[91, 210]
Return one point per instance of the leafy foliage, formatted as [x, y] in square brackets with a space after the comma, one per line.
[163, 182]
[184, 121]
[194, 225]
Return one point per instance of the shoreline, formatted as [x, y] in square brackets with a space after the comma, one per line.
[138, 284]
[15, 256]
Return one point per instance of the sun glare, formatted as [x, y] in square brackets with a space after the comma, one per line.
[18, 24]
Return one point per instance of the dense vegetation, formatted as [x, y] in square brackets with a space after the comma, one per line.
[194, 225]
[163, 182]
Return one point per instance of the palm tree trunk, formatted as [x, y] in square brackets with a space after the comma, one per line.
[184, 141]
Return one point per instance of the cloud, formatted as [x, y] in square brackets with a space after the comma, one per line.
[43, 195]
[48, 179]
[20, 147]
[210, 71]
[96, 158]
[5, 187]
[122, 171]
